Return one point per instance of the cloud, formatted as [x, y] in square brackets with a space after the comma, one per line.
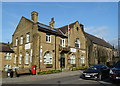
[100, 32]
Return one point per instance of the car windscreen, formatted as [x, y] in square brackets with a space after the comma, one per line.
[117, 65]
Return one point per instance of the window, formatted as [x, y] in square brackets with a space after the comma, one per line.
[26, 58]
[48, 58]
[15, 59]
[62, 42]
[48, 38]
[82, 60]
[72, 59]
[16, 41]
[77, 43]
[28, 37]
[21, 40]
[6, 67]
[20, 59]
[8, 56]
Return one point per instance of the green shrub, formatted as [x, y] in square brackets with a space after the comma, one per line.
[49, 72]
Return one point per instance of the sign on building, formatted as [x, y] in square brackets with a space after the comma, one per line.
[72, 50]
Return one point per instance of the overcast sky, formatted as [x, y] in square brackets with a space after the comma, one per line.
[99, 18]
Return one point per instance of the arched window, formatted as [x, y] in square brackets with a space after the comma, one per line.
[72, 59]
[48, 58]
[77, 43]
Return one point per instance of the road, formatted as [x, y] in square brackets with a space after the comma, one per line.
[72, 80]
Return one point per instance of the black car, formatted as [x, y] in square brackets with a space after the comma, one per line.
[96, 72]
[115, 72]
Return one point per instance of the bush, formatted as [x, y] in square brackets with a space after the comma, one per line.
[80, 68]
[49, 72]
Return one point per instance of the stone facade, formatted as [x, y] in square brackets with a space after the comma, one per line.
[6, 60]
[54, 48]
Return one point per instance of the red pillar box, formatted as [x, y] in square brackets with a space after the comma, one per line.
[34, 69]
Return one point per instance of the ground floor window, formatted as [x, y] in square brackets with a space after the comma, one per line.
[82, 60]
[6, 67]
[72, 59]
[27, 58]
[20, 59]
[48, 58]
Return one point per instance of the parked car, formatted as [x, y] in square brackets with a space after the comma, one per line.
[96, 72]
[115, 72]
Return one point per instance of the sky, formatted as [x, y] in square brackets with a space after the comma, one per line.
[99, 18]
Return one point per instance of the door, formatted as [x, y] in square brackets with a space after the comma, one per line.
[62, 60]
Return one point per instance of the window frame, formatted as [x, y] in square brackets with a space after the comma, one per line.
[77, 43]
[16, 41]
[27, 37]
[27, 58]
[21, 39]
[48, 38]
[62, 42]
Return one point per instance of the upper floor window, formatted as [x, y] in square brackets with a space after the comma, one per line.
[16, 41]
[62, 42]
[77, 43]
[8, 56]
[28, 37]
[48, 38]
[21, 40]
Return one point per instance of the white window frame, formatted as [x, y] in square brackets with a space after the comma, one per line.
[21, 40]
[82, 60]
[48, 38]
[8, 56]
[27, 58]
[27, 37]
[16, 41]
[20, 59]
[62, 42]
[6, 67]
[47, 58]
[77, 41]
[72, 60]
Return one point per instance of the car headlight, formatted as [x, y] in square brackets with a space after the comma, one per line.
[111, 72]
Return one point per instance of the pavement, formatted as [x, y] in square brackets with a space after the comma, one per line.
[39, 77]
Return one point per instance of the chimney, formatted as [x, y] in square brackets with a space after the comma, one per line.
[34, 16]
[52, 23]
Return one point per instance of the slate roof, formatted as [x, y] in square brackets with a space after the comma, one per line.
[64, 29]
[98, 41]
[45, 28]
[4, 47]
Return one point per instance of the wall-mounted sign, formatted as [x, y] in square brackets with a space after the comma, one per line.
[72, 50]
[27, 46]
[83, 51]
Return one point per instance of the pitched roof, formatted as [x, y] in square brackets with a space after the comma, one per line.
[46, 28]
[64, 29]
[98, 41]
[4, 47]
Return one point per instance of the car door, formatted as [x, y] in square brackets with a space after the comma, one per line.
[105, 70]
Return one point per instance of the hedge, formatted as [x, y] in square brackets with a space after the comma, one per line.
[49, 72]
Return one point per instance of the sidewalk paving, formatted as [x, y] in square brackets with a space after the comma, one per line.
[39, 77]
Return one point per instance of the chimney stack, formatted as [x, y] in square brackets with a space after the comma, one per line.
[52, 23]
[34, 16]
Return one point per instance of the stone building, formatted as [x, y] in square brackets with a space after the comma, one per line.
[99, 51]
[54, 48]
[49, 48]
[6, 60]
